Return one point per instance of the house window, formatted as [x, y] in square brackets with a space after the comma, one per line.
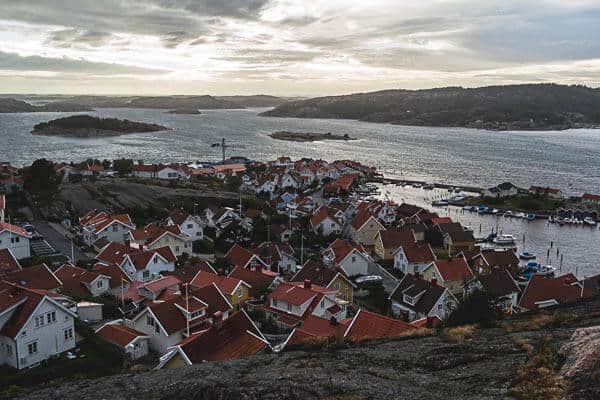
[115, 227]
[323, 303]
[156, 328]
[149, 320]
[68, 334]
[289, 307]
[39, 321]
[155, 259]
[100, 283]
[274, 302]
[353, 259]
[32, 348]
[197, 314]
[146, 274]
[240, 293]
[51, 317]
[440, 306]
[176, 249]
[190, 226]
[337, 286]
[408, 299]
[198, 233]
[9, 350]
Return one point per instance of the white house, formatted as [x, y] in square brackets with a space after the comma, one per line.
[16, 239]
[413, 258]
[350, 257]
[133, 343]
[168, 173]
[325, 222]
[34, 326]
[154, 236]
[147, 265]
[189, 224]
[103, 225]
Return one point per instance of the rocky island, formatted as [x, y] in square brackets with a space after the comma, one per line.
[86, 126]
[185, 111]
[10, 105]
[308, 136]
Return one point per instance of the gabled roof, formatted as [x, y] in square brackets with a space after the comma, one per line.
[35, 277]
[292, 294]
[235, 337]
[114, 253]
[342, 248]
[240, 257]
[224, 283]
[26, 301]
[369, 325]
[499, 258]
[141, 259]
[212, 296]
[160, 284]
[8, 262]
[562, 289]
[119, 334]
[186, 273]
[394, 238]
[16, 230]
[317, 272]
[152, 232]
[499, 283]
[417, 253]
[178, 216]
[362, 218]
[76, 279]
[117, 276]
[258, 279]
[430, 293]
[100, 220]
[453, 269]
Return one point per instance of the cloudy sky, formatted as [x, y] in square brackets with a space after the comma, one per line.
[292, 47]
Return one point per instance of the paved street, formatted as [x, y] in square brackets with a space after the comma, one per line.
[58, 241]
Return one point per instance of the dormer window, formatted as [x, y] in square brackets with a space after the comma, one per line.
[409, 299]
[197, 314]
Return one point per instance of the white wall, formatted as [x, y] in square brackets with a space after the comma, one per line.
[115, 232]
[19, 245]
[49, 337]
[355, 264]
[192, 228]
[159, 341]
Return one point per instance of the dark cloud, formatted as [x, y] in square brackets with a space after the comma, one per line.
[15, 62]
[78, 37]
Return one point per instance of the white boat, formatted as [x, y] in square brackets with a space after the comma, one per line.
[589, 221]
[521, 215]
[504, 239]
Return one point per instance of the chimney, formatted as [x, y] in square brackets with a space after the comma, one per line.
[417, 274]
[307, 284]
[434, 281]
[217, 320]
[429, 323]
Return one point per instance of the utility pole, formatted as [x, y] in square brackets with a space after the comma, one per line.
[187, 309]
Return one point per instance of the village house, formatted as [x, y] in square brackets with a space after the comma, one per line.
[189, 224]
[365, 325]
[237, 256]
[280, 233]
[389, 240]
[97, 225]
[415, 298]
[591, 198]
[453, 273]
[549, 192]
[364, 227]
[489, 260]
[187, 272]
[326, 221]
[146, 265]
[352, 258]
[34, 326]
[281, 257]
[542, 292]
[133, 343]
[235, 290]
[259, 279]
[327, 276]
[154, 236]
[144, 293]
[81, 282]
[292, 302]
[501, 286]
[234, 337]
[16, 239]
[35, 277]
[505, 189]
[119, 281]
[456, 240]
[413, 258]
[170, 321]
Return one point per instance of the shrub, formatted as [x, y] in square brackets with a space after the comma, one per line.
[478, 308]
[459, 334]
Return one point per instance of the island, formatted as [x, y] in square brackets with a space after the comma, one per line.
[510, 107]
[87, 126]
[308, 136]
[185, 111]
[10, 105]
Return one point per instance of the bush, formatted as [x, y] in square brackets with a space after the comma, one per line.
[478, 308]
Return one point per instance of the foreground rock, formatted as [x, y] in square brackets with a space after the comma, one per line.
[86, 126]
[582, 363]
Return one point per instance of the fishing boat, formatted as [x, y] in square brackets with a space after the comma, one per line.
[589, 221]
[527, 256]
[504, 239]
[530, 217]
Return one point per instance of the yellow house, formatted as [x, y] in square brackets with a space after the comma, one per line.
[364, 227]
[235, 290]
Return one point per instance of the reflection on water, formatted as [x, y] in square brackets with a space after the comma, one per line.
[577, 244]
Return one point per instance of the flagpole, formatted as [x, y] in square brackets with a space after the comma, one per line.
[187, 309]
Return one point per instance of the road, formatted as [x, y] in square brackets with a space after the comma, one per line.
[58, 241]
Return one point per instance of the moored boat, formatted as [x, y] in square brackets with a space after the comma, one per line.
[527, 256]
[504, 239]
[589, 221]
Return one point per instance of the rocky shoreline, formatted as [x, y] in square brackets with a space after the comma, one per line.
[308, 136]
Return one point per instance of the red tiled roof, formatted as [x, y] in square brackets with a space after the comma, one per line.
[116, 274]
[259, 280]
[292, 294]
[187, 272]
[234, 337]
[239, 256]
[589, 196]
[119, 334]
[151, 232]
[142, 258]
[418, 253]
[114, 253]
[161, 284]
[224, 283]
[178, 216]
[8, 263]
[341, 248]
[17, 230]
[563, 289]
[441, 220]
[212, 296]
[394, 238]
[74, 278]
[35, 277]
[361, 218]
[454, 269]
[368, 325]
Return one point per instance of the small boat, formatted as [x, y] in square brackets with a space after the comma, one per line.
[439, 203]
[521, 215]
[589, 221]
[527, 256]
[416, 185]
[482, 209]
[505, 239]
[469, 208]
[495, 211]
[530, 217]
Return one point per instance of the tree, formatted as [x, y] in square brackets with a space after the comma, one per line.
[123, 166]
[40, 178]
[478, 308]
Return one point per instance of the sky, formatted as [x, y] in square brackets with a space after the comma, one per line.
[293, 47]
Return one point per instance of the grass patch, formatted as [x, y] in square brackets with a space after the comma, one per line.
[539, 322]
[459, 334]
[537, 379]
